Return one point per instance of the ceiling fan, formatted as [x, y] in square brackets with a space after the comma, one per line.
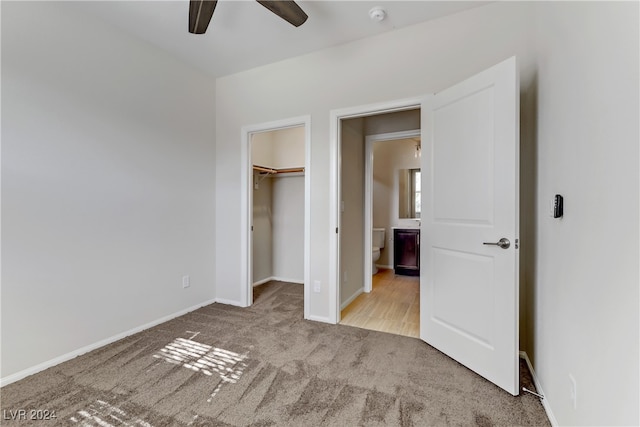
[201, 11]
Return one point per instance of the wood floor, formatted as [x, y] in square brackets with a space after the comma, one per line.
[392, 306]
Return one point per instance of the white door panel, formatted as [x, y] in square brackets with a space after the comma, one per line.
[466, 171]
[469, 291]
[463, 315]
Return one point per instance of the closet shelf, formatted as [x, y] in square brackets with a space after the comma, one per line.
[273, 171]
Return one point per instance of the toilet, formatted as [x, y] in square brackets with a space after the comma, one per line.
[377, 240]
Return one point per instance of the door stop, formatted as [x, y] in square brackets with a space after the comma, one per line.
[532, 392]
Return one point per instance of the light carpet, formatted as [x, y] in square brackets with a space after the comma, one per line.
[265, 366]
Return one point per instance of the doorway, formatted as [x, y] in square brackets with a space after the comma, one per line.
[280, 215]
[377, 201]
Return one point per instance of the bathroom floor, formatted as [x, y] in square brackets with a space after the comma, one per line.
[392, 306]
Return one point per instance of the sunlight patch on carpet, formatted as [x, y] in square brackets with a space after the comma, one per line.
[104, 414]
[206, 359]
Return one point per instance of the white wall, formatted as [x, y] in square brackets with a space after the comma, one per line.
[288, 228]
[107, 183]
[342, 77]
[586, 264]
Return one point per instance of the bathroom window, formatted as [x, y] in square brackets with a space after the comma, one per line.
[417, 206]
[415, 187]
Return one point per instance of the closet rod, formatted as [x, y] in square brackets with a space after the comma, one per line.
[263, 169]
[290, 170]
[277, 171]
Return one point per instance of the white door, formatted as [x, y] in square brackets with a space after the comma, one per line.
[469, 289]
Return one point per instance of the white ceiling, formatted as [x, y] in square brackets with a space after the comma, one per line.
[244, 35]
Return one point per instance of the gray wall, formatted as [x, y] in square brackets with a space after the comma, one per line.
[108, 183]
[585, 266]
[262, 229]
[351, 219]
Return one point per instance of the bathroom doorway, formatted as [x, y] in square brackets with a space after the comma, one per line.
[276, 163]
[375, 151]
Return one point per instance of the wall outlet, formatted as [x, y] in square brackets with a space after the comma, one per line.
[186, 282]
[573, 392]
[316, 286]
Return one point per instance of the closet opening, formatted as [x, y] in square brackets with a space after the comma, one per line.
[277, 202]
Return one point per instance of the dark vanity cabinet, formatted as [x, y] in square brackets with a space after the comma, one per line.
[406, 251]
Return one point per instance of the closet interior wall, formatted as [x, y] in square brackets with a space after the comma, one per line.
[278, 205]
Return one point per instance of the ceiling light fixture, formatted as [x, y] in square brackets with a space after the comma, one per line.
[377, 14]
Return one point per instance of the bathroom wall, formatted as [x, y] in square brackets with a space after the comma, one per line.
[385, 204]
[388, 158]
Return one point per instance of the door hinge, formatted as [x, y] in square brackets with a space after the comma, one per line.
[517, 243]
[336, 230]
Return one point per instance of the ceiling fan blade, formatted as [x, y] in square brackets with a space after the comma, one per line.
[200, 13]
[287, 10]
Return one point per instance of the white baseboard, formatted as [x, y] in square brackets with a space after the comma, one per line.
[263, 281]
[545, 401]
[278, 279]
[385, 267]
[320, 319]
[229, 302]
[351, 298]
[288, 279]
[68, 356]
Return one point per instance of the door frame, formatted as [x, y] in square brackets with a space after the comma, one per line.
[370, 140]
[246, 210]
[335, 161]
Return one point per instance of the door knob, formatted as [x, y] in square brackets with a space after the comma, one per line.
[504, 243]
